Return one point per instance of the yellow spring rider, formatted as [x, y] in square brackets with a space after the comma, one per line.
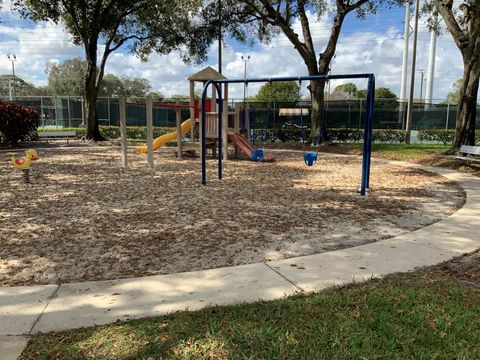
[24, 164]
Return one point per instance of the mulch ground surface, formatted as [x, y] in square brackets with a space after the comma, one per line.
[84, 217]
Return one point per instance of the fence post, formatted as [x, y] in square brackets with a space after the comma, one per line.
[448, 114]
[55, 107]
[108, 111]
[150, 131]
[68, 111]
[42, 115]
[178, 118]
[123, 129]
[82, 103]
[360, 113]
[349, 113]
[274, 114]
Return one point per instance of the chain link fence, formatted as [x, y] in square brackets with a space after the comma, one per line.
[67, 111]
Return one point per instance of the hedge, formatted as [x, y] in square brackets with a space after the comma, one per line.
[442, 135]
[333, 135]
[273, 135]
[113, 132]
[17, 122]
[292, 134]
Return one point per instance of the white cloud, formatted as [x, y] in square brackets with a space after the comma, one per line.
[358, 51]
[34, 47]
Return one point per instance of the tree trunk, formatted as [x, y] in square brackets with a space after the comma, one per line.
[318, 120]
[466, 111]
[91, 94]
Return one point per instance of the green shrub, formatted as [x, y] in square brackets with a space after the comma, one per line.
[442, 135]
[436, 135]
[389, 136]
[344, 135]
[334, 135]
[17, 122]
[292, 134]
[81, 132]
[113, 132]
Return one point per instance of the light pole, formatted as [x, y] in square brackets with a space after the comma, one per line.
[245, 59]
[408, 127]
[422, 79]
[13, 58]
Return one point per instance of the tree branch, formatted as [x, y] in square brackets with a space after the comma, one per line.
[307, 54]
[327, 55]
[307, 35]
[73, 14]
[349, 7]
[445, 9]
[124, 40]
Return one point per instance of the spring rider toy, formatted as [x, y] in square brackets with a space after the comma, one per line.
[24, 164]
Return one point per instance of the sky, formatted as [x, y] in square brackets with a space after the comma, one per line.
[374, 45]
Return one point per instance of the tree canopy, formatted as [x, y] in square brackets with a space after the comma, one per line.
[384, 93]
[380, 93]
[454, 96]
[279, 91]
[66, 79]
[142, 26]
[264, 19]
[22, 88]
[344, 91]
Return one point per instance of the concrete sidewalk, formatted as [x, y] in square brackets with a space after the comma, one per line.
[29, 310]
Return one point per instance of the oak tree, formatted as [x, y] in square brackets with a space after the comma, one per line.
[462, 20]
[267, 18]
[140, 26]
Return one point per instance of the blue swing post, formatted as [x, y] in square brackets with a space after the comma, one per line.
[367, 136]
[203, 139]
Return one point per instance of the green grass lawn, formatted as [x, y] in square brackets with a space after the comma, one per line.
[401, 151]
[409, 316]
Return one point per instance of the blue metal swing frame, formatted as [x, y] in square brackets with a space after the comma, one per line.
[367, 137]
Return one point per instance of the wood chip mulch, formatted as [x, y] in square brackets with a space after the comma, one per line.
[84, 217]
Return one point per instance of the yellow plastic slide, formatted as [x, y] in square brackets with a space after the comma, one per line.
[162, 140]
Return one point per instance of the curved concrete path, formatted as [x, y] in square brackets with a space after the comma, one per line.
[29, 310]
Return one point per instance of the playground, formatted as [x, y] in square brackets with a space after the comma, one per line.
[85, 213]
[85, 217]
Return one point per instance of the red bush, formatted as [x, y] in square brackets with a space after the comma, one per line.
[17, 122]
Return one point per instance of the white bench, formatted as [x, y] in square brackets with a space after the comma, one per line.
[469, 153]
[57, 135]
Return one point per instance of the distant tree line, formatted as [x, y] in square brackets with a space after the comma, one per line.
[66, 79]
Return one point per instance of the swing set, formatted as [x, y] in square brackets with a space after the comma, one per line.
[309, 157]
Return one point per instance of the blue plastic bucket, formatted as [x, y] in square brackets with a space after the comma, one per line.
[310, 158]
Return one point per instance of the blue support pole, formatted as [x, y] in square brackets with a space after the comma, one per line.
[367, 138]
[203, 127]
[251, 131]
[220, 127]
[372, 109]
[203, 138]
